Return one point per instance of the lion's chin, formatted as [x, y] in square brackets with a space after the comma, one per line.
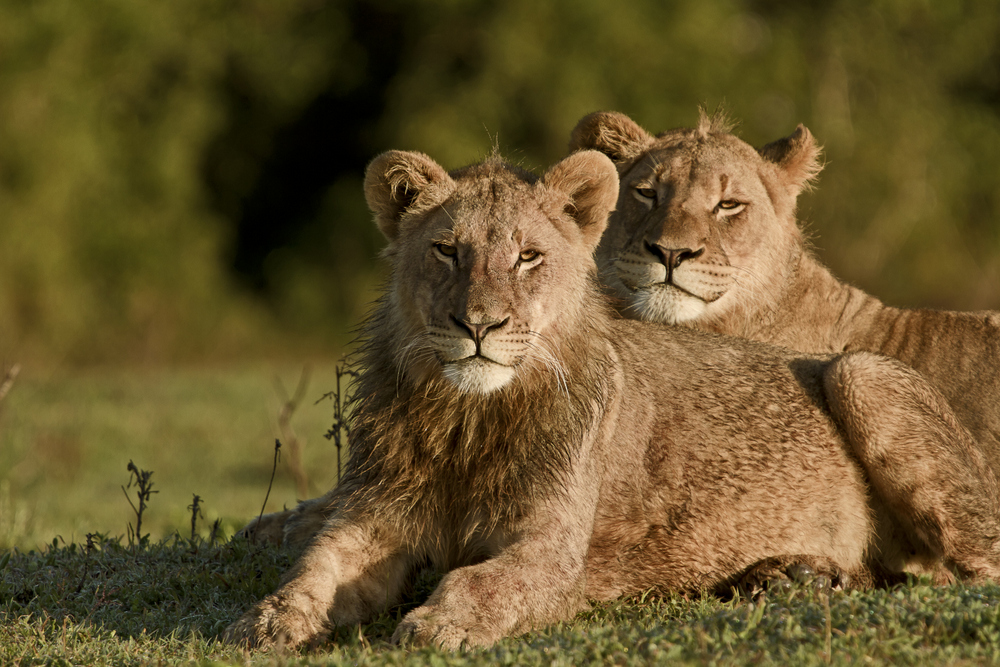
[666, 304]
[477, 375]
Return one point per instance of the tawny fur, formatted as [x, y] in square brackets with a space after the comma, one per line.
[749, 272]
[542, 453]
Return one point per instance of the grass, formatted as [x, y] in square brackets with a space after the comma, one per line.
[66, 442]
[79, 605]
[89, 597]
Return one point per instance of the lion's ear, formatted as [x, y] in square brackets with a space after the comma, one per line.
[797, 157]
[614, 134]
[401, 182]
[590, 181]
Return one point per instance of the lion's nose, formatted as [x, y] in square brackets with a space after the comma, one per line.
[672, 257]
[478, 330]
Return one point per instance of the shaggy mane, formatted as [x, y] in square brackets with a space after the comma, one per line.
[427, 452]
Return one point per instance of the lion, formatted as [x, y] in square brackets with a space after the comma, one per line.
[705, 236]
[513, 433]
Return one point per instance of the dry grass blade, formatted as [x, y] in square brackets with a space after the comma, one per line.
[290, 439]
[8, 380]
[274, 468]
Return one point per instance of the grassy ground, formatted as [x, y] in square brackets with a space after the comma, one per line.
[79, 605]
[66, 440]
[64, 447]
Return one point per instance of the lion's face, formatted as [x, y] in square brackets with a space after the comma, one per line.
[486, 271]
[703, 220]
[482, 282]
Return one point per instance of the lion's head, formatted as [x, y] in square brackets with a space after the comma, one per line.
[705, 230]
[489, 262]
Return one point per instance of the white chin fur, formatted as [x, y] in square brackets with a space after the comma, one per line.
[478, 376]
[667, 305]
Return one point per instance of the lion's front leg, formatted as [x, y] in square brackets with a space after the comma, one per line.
[350, 572]
[292, 527]
[266, 529]
[537, 579]
[481, 604]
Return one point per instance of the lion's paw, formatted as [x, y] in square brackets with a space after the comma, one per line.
[294, 527]
[267, 529]
[426, 626]
[275, 623]
[783, 572]
[302, 525]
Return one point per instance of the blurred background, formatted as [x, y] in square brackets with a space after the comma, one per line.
[180, 182]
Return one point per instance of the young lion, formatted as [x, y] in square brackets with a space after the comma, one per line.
[705, 236]
[514, 434]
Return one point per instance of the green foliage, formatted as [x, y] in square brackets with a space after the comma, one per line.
[134, 136]
[110, 249]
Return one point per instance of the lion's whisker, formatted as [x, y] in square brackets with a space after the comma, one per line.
[549, 359]
[415, 349]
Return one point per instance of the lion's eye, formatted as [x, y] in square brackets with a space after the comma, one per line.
[528, 259]
[646, 193]
[729, 204]
[446, 250]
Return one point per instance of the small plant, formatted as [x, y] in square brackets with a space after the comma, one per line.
[342, 400]
[216, 530]
[195, 509]
[144, 489]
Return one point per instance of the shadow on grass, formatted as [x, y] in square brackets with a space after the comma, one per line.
[174, 588]
[112, 603]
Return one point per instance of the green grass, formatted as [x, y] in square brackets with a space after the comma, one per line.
[66, 440]
[65, 443]
[169, 602]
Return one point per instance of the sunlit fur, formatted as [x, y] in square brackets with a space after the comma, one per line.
[478, 376]
[481, 455]
[619, 457]
[692, 170]
[779, 292]
[477, 414]
[665, 304]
